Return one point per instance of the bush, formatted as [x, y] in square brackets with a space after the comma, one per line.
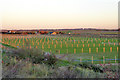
[49, 59]
[91, 67]
[75, 72]
[34, 55]
[35, 71]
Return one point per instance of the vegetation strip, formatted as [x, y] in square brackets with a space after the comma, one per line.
[6, 45]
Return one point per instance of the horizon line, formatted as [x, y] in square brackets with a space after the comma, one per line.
[63, 29]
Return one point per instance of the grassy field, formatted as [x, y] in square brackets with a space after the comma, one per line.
[83, 49]
[24, 56]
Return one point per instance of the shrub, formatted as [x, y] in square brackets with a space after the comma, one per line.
[91, 67]
[34, 55]
[75, 72]
[35, 71]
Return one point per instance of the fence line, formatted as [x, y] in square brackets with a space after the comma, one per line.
[98, 60]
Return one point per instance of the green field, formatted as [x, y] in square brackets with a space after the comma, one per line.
[82, 48]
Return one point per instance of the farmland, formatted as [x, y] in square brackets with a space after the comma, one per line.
[82, 48]
[76, 55]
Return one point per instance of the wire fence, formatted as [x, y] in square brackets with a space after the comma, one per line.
[99, 60]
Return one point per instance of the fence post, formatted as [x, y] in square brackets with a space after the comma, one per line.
[55, 46]
[74, 51]
[114, 44]
[77, 45]
[110, 49]
[83, 45]
[42, 47]
[61, 45]
[104, 49]
[59, 51]
[99, 45]
[82, 50]
[80, 60]
[97, 50]
[92, 59]
[36, 46]
[117, 49]
[89, 50]
[103, 60]
[93, 45]
[104, 44]
[115, 59]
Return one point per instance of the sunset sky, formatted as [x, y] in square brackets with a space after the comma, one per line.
[58, 14]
